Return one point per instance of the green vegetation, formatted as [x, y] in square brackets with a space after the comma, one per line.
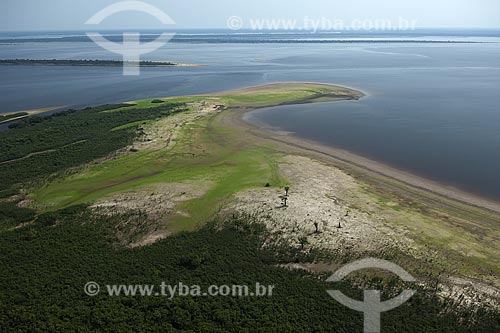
[63, 62]
[204, 150]
[11, 215]
[44, 267]
[37, 151]
[52, 244]
[287, 93]
[231, 166]
[40, 146]
[8, 193]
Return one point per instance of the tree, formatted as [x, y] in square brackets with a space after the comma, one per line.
[316, 225]
[303, 242]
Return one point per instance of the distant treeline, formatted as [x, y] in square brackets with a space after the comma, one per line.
[58, 62]
[238, 39]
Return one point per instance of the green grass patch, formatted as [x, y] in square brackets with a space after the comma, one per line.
[204, 150]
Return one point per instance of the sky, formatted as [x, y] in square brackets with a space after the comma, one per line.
[26, 15]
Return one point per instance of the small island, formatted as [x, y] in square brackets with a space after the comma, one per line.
[97, 63]
[18, 115]
[10, 117]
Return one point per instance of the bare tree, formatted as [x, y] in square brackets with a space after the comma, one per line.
[284, 200]
[303, 242]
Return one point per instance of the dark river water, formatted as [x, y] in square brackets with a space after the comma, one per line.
[432, 109]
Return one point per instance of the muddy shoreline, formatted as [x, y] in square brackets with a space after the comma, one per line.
[370, 171]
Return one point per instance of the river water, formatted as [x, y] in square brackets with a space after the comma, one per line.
[431, 108]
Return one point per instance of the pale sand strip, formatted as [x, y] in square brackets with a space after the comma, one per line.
[30, 112]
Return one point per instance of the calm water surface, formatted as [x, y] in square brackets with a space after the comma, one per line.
[433, 109]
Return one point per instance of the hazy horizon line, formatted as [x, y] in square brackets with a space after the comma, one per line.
[256, 31]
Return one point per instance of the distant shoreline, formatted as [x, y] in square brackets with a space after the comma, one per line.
[89, 63]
